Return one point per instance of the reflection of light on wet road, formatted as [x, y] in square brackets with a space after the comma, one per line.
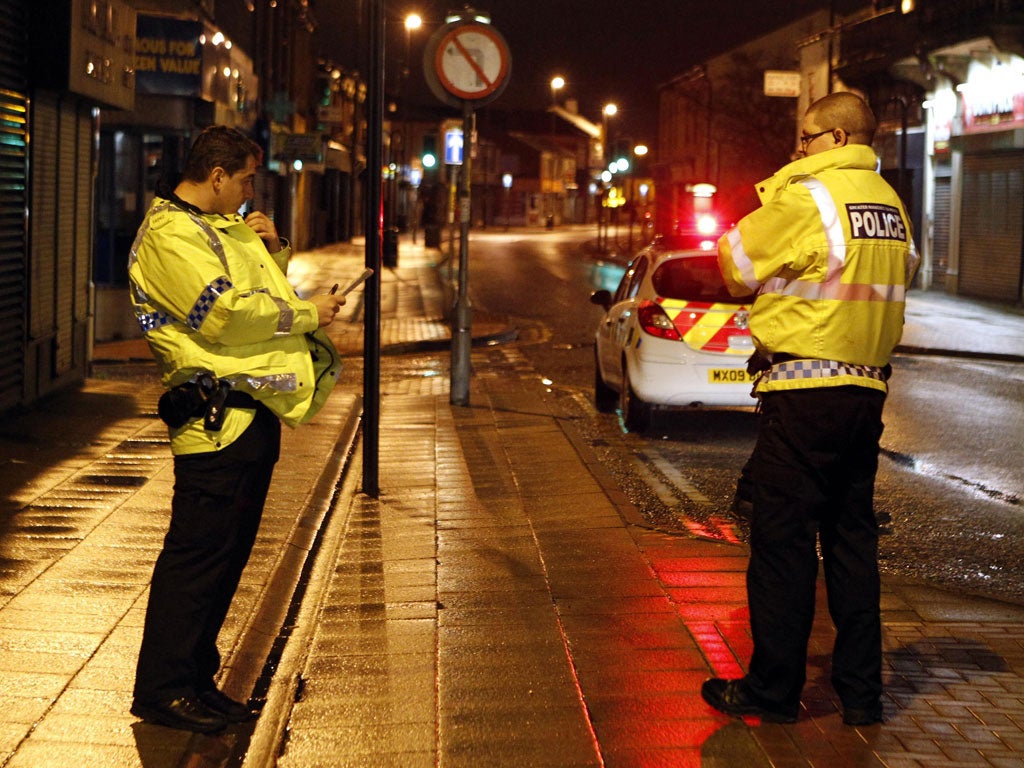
[921, 467]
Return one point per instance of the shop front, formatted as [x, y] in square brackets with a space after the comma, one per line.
[988, 140]
[187, 76]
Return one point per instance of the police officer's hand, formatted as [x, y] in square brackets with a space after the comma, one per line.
[327, 306]
[261, 224]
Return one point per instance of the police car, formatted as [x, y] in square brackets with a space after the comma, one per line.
[671, 335]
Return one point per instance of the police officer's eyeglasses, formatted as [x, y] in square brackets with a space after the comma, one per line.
[807, 139]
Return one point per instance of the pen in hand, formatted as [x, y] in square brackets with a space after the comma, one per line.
[334, 290]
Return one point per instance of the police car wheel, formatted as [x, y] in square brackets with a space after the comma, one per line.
[636, 414]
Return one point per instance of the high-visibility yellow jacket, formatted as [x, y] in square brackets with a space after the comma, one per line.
[210, 298]
[831, 255]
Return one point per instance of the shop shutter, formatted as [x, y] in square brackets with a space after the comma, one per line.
[13, 190]
[42, 315]
[940, 232]
[60, 229]
[991, 228]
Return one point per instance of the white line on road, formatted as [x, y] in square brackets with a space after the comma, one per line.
[679, 480]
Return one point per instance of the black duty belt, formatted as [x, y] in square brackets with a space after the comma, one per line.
[206, 397]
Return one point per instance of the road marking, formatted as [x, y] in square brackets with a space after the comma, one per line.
[714, 526]
[680, 481]
[661, 490]
[672, 487]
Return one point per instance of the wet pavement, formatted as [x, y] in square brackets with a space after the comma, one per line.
[501, 603]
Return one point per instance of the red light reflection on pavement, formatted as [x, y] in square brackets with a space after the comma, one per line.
[647, 709]
[716, 528]
[715, 649]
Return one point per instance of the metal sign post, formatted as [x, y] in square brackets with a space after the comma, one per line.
[466, 62]
[371, 326]
[462, 337]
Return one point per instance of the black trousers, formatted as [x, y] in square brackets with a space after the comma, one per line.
[215, 514]
[813, 470]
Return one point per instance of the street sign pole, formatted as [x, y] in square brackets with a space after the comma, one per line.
[462, 336]
[466, 63]
[371, 295]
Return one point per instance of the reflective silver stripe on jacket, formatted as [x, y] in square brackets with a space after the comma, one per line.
[215, 244]
[741, 260]
[821, 369]
[287, 317]
[833, 287]
[208, 297]
[278, 382]
[203, 305]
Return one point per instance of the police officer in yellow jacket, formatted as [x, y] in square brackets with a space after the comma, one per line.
[239, 352]
[831, 256]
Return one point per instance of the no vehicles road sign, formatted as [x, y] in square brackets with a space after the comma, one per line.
[467, 62]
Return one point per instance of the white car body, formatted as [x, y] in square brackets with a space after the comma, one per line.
[699, 355]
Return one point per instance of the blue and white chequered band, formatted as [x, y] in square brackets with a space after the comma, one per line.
[206, 300]
[152, 320]
[821, 369]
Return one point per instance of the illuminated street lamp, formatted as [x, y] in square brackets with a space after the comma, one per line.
[610, 110]
[390, 241]
[557, 83]
[412, 22]
[506, 182]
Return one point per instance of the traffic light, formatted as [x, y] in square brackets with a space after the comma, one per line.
[429, 154]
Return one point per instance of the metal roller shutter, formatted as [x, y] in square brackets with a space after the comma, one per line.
[13, 191]
[61, 236]
[940, 231]
[992, 226]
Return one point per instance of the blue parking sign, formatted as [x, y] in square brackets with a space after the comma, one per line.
[453, 147]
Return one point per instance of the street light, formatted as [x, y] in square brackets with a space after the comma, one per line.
[390, 245]
[506, 182]
[609, 110]
[413, 21]
[557, 83]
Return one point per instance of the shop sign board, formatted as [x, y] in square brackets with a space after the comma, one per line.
[168, 57]
[778, 82]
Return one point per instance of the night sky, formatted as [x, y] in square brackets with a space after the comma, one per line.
[607, 51]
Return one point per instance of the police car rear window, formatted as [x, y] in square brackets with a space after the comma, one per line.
[694, 278]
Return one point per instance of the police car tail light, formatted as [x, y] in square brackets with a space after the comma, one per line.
[707, 224]
[654, 321]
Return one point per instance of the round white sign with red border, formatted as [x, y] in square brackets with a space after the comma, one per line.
[472, 61]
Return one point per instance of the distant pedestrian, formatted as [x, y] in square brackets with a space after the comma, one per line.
[238, 351]
[831, 256]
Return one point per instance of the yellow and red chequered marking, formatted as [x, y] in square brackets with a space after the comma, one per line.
[705, 326]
